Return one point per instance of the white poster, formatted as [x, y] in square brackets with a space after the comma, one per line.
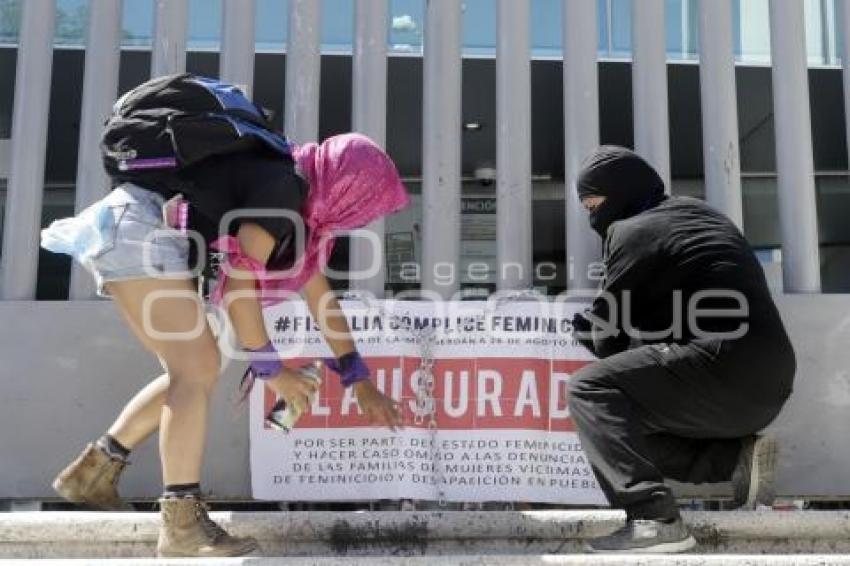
[494, 427]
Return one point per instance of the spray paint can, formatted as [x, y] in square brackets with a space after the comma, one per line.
[282, 416]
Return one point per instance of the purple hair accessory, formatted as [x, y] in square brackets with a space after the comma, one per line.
[351, 368]
[152, 163]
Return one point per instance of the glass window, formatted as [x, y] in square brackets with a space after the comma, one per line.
[822, 30]
[815, 36]
[480, 19]
[10, 20]
[72, 18]
[752, 33]
[547, 20]
[407, 24]
[621, 28]
[832, 13]
[751, 27]
[751, 18]
[682, 29]
[604, 38]
[337, 25]
[138, 23]
[692, 43]
[205, 24]
[547, 39]
[838, 36]
[674, 12]
[272, 24]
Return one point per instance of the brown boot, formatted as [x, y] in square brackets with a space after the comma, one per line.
[92, 479]
[188, 531]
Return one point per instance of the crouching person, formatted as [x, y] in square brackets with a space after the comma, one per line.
[694, 358]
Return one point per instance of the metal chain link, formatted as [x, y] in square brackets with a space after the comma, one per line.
[426, 402]
[513, 296]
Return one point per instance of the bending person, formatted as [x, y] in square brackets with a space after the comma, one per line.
[344, 183]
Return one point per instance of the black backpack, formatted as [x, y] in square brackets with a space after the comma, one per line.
[167, 124]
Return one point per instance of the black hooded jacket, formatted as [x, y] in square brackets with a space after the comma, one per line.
[661, 253]
[628, 183]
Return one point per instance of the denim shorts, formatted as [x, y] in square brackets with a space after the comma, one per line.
[122, 237]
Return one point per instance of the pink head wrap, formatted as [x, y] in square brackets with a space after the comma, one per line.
[352, 182]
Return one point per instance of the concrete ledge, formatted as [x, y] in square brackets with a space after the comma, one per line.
[489, 560]
[108, 535]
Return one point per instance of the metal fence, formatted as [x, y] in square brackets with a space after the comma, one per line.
[442, 120]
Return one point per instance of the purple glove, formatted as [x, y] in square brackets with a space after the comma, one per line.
[351, 368]
[263, 366]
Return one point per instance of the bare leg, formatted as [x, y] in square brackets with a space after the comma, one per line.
[192, 363]
[141, 416]
[173, 325]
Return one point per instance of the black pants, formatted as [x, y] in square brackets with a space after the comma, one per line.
[672, 411]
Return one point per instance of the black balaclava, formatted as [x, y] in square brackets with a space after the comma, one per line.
[628, 182]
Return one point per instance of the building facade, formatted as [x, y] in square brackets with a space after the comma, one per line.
[438, 97]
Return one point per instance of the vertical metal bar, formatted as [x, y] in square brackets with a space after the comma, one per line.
[794, 157]
[514, 205]
[844, 13]
[238, 40]
[303, 71]
[831, 24]
[826, 31]
[369, 117]
[369, 112]
[171, 28]
[25, 192]
[100, 87]
[721, 149]
[649, 85]
[441, 147]
[581, 131]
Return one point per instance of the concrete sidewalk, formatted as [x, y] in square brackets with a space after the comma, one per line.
[545, 560]
[539, 537]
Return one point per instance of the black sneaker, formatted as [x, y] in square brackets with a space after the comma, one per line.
[754, 477]
[644, 536]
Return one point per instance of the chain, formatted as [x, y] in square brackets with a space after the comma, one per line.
[513, 296]
[426, 403]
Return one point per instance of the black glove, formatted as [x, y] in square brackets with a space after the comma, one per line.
[582, 331]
